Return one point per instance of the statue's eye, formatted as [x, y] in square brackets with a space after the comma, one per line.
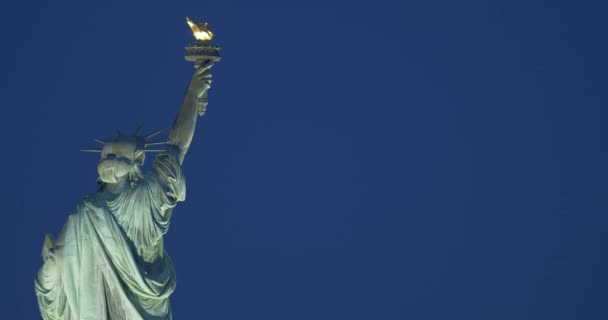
[110, 156]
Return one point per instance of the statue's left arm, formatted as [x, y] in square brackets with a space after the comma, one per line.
[195, 100]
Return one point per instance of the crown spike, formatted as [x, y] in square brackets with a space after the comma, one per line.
[100, 141]
[138, 130]
[154, 134]
[91, 150]
[155, 143]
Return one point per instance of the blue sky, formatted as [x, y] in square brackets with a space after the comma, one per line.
[358, 160]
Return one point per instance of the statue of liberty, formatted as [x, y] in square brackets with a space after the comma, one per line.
[108, 261]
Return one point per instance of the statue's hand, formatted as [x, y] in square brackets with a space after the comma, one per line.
[200, 84]
[201, 80]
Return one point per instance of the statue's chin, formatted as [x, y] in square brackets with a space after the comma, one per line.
[108, 180]
[111, 176]
[108, 176]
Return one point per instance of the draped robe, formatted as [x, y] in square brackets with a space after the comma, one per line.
[108, 262]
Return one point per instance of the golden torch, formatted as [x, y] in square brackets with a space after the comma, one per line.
[202, 50]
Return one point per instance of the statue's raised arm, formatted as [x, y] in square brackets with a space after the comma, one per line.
[195, 102]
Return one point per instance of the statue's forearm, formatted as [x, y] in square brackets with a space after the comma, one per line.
[183, 127]
[182, 130]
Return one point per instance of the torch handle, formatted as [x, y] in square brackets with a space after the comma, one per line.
[202, 104]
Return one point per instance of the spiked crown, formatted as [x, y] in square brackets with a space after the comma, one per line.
[135, 145]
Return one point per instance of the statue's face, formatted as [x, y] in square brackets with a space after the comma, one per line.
[117, 159]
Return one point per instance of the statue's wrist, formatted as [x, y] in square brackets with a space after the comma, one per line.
[191, 93]
[195, 93]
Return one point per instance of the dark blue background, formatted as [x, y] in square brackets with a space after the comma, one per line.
[359, 159]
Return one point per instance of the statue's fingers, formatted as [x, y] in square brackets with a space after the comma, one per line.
[205, 75]
[207, 81]
[204, 67]
[199, 71]
[207, 65]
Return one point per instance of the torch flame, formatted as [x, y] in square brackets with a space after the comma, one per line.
[200, 30]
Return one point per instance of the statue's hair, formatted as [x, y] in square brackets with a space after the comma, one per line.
[135, 175]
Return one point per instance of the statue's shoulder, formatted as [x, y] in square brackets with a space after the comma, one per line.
[93, 201]
[87, 204]
[93, 197]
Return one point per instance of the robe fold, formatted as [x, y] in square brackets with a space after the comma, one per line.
[108, 262]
